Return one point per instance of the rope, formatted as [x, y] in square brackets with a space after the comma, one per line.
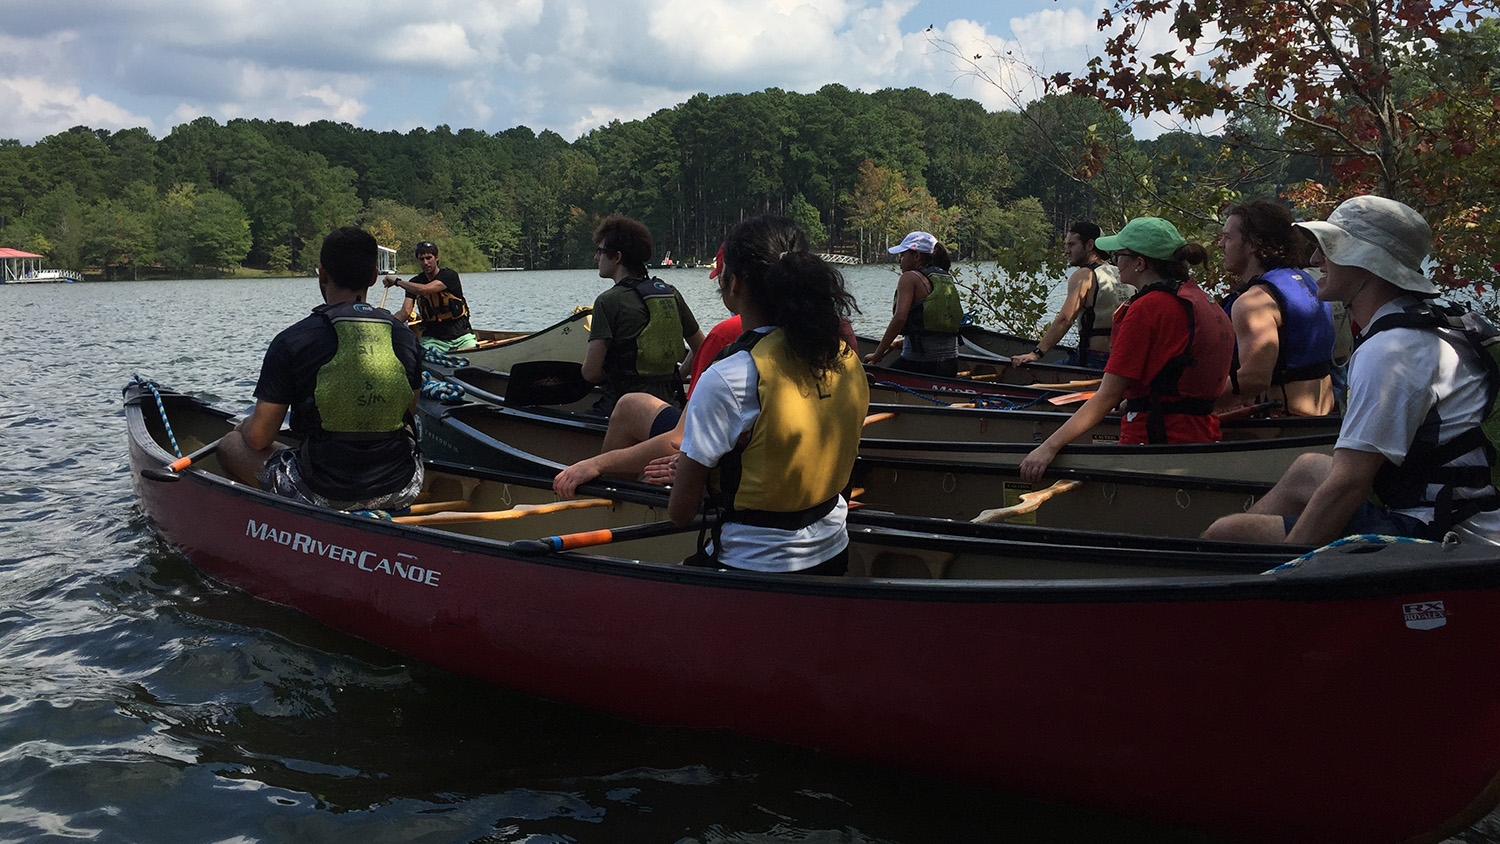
[907, 389]
[443, 358]
[993, 402]
[439, 390]
[162, 408]
[1374, 539]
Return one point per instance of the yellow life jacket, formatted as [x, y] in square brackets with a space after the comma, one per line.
[802, 446]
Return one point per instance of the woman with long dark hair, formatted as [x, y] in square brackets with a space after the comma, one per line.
[1170, 351]
[774, 425]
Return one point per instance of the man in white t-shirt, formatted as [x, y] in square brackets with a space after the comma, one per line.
[1417, 396]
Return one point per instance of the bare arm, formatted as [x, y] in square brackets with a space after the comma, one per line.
[1078, 287]
[593, 361]
[906, 294]
[416, 288]
[1256, 319]
[1349, 484]
[629, 461]
[1111, 390]
[264, 423]
[687, 492]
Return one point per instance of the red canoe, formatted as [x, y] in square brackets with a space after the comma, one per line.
[1348, 698]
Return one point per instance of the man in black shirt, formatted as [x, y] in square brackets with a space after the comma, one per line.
[349, 374]
[437, 296]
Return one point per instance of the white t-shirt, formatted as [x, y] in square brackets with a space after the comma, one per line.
[725, 405]
[1396, 378]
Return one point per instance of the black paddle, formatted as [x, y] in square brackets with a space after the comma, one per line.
[569, 541]
[170, 472]
[545, 382]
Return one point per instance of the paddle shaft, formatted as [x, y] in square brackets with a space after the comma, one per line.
[569, 541]
[171, 470]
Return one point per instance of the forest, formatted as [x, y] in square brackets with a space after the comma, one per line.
[1408, 111]
[856, 170]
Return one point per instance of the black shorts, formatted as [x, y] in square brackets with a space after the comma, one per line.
[666, 420]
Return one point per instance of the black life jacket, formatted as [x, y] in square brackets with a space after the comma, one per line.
[1426, 461]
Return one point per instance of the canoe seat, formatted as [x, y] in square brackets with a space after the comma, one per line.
[865, 561]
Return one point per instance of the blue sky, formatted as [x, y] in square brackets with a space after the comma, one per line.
[564, 65]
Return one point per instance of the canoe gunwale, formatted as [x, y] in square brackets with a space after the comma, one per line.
[1398, 574]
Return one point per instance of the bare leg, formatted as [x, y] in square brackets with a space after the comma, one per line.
[1263, 522]
[630, 422]
[242, 461]
[1290, 495]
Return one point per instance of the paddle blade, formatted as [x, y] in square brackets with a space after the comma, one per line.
[166, 475]
[545, 382]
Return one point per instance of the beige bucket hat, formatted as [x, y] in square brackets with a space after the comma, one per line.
[1384, 236]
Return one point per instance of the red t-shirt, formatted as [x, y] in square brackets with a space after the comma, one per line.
[1152, 331]
[720, 336]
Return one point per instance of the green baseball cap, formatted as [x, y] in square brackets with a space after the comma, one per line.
[1149, 236]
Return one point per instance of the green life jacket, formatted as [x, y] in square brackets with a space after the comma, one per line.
[659, 346]
[363, 389]
[939, 313]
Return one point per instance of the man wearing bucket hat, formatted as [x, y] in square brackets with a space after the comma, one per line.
[1421, 382]
[926, 310]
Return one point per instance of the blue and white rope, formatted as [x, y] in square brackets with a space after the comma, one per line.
[161, 408]
[439, 390]
[1356, 539]
[443, 358]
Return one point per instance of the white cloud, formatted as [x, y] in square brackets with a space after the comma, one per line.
[565, 65]
[32, 108]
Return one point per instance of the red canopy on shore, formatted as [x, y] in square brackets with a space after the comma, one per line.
[16, 253]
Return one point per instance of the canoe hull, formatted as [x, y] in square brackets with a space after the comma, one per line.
[1342, 704]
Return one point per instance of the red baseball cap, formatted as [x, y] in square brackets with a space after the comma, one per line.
[718, 269]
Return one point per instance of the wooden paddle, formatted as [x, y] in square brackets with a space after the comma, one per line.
[569, 541]
[1071, 398]
[545, 382]
[517, 512]
[436, 507]
[1072, 385]
[879, 417]
[1247, 410]
[1030, 501]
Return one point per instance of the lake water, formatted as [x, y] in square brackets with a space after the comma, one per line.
[140, 702]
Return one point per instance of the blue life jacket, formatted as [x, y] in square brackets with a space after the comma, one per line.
[1304, 340]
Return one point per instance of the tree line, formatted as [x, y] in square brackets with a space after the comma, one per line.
[857, 170]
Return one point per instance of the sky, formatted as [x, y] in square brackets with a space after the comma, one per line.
[565, 65]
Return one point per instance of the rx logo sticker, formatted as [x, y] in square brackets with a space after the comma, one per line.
[1425, 615]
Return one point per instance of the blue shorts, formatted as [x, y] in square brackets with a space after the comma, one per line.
[1373, 519]
[666, 420]
[1087, 357]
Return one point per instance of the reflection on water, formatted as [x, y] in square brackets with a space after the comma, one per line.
[142, 703]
